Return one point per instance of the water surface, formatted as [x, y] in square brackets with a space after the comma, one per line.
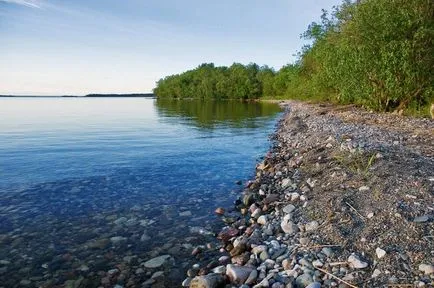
[89, 184]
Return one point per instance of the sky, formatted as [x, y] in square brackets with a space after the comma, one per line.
[76, 47]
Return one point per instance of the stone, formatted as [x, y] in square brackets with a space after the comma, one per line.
[356, 262]
[185, 213]
[259, 249]
[264, 255]
[212, 280]
[303, 280]
[252, 277]
[227, 233]
[288, 226]
[262, 220]
[158, 274]
[256, 213]
[364, 189]
[271, 198]
[295, 196]
[286, 182]
[238, 274]
[421, 219]
[376, 273]
[248, 199]
[219, 269]
[157, 261]
[327, 251]
[380, 252]
[314, 285]
[25, 282]
[311, 226]
[426, 268]
[117, 239]
[317, 263]
[288, 208]
[219, 211]
[186, 282]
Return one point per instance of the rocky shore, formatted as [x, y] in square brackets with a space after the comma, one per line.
[345, 198]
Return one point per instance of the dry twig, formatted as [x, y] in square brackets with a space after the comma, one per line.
[337, 278]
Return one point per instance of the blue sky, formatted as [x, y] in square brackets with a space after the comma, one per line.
[56, 47]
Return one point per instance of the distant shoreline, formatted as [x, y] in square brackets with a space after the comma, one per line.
[131, 95]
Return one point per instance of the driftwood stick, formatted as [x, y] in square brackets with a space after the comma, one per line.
[337, 278]
[354, 209]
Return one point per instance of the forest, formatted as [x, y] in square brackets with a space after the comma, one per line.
[373, 53]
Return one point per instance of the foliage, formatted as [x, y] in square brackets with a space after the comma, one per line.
[374, 53]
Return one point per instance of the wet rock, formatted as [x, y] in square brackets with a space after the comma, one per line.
[117, 239]
[227, 233]
[185, 213]
[157, 261]
[99, 244]
[238, 274]
[219, 211]
[356, 262]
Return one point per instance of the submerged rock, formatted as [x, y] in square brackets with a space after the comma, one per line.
[157, 261]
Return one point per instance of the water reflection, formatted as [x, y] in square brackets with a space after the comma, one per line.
[208, 113]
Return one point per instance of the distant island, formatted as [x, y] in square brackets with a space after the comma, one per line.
[148, 95]
[122, 95]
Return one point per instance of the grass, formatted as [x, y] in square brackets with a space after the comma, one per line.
[358, 163]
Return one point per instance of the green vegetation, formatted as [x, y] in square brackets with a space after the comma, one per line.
[377, 54]
[358, 163]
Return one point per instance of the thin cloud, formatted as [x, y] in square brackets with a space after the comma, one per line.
[27, 3]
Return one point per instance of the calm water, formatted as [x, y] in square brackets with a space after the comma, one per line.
[87, 185]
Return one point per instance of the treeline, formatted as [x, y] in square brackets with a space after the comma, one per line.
[208, 81]
[375, 53]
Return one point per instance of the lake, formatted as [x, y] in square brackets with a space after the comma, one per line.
[91, 188]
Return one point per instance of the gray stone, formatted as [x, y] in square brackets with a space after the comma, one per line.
[327, 251]
[262, 220]
[314, 285]
[286, 182]
[157, 261]
[303, 280]
[380, 252]
[252, 277]
[421, 219]
[238, 274]
[356, 262]
[117, 239]
[288, 226]
[288, 208]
